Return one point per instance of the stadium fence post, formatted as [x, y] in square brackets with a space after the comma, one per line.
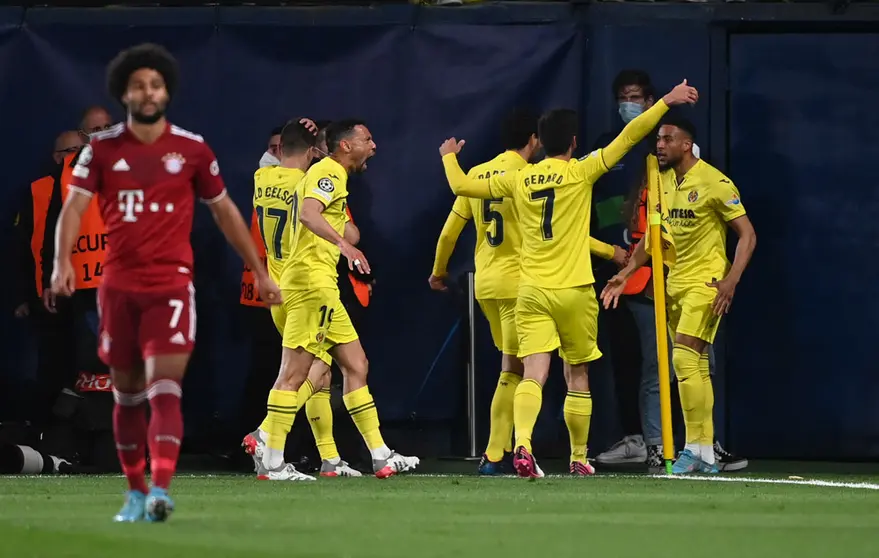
[471, 364]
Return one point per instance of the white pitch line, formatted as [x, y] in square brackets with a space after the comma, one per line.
[834, 484]
[804, 482]
[695, 478]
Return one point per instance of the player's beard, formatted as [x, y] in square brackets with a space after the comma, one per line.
[667, 164]
[142, 118]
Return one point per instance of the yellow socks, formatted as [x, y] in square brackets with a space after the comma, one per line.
[306, 391]
[279, 419]
[526, 407]
[692, 390]
[501, 428]
[707, 438]
[578, 415]
[362, 409]
[320, 417]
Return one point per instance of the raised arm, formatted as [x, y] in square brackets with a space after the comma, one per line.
[633, 133]
[637, 129]
[461, 184]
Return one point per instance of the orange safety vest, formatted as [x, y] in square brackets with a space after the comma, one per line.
[361, 289]
[249, 292]
[41, 192]
[90, 250]
[638, 280]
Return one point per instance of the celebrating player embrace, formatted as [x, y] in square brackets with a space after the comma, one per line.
[556, 306]
[277, 199]
[315, 321]
[147, 174]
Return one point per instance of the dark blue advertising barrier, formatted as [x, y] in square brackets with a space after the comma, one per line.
[800, 379]
[803, 152]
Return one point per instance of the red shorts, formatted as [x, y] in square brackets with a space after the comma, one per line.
[138, 325]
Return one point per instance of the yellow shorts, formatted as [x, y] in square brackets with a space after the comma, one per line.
[501, 316]
[690, 312]
[566, 319]
[315, 320]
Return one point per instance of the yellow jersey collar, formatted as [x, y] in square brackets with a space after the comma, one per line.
[330, 162]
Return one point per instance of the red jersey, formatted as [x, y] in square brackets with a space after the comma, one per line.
[147, 199]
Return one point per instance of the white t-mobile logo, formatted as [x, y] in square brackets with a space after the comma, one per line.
[130, 202]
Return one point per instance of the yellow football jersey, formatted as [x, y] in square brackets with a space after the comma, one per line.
[552, 200]
[698, 210]
[313, 264]
[276, 199]
[497, 232]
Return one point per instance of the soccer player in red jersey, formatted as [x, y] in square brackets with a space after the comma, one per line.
[147, 174]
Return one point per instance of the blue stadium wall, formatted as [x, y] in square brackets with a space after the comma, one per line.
[788, 110]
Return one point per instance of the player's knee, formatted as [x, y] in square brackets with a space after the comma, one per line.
[287, 382]
[129, 380]
[682, 360]
[358, 368]
[513, 365]
[294, 369]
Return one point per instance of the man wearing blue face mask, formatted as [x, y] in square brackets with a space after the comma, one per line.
[636, 387]
[628, 333]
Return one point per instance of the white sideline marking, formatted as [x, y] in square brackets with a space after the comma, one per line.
[819, 483]
[834, 484]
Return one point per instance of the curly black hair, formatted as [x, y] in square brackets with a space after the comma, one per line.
[147, 55]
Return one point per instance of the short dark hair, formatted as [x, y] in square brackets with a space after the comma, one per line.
[147, 55]
[517, 128]
[556, 130]
[296, 138]
[633, 77]
[276, 131]
[339, 130]
[677, 120]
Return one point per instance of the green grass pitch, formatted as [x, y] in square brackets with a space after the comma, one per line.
[449, 517]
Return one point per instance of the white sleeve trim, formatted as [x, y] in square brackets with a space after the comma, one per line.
[78, 190]
[215, 199]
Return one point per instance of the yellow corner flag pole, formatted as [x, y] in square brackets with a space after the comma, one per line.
[654, 220]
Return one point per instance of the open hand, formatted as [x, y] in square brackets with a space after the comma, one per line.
[451, 145]
[309, 125]
[355, 257]
[726, 290]
[611, 293]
